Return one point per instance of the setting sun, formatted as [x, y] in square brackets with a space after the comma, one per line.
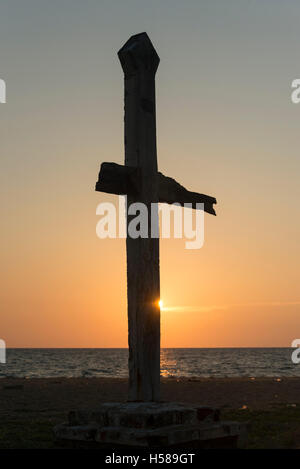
[160, 304]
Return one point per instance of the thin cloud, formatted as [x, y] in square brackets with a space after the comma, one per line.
[193, 309]
[207, 309]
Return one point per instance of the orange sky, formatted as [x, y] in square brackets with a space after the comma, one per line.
[226, 127]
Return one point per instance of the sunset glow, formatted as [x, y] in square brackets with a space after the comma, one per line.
[226, 126]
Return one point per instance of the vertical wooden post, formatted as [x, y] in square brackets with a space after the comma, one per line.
[139, 61]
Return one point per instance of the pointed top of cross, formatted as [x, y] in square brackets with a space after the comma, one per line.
[137, 55]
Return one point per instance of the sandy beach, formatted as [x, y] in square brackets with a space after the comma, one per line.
[30, 407]
[45, 396]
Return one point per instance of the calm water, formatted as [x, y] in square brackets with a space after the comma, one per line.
[174, 362]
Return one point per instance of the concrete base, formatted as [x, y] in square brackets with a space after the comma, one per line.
[147, 425]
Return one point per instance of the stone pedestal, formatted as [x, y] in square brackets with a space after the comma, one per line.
[148, 425]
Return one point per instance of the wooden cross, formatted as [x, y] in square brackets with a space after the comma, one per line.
[141, 182]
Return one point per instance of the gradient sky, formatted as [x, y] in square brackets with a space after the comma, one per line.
[226, 127]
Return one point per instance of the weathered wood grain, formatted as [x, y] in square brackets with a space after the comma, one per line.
[170, 191]
[139, 61]
[140, 180]
[118, 179]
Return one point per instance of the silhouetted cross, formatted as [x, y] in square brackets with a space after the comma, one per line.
[141, 182]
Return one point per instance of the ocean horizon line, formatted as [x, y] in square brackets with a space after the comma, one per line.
[162, 348]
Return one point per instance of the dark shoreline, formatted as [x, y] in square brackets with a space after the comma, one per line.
[65, 393]
[29, 408]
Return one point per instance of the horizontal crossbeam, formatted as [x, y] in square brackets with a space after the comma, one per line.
[122, 180]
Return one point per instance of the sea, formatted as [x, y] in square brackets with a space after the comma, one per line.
[175, 362]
